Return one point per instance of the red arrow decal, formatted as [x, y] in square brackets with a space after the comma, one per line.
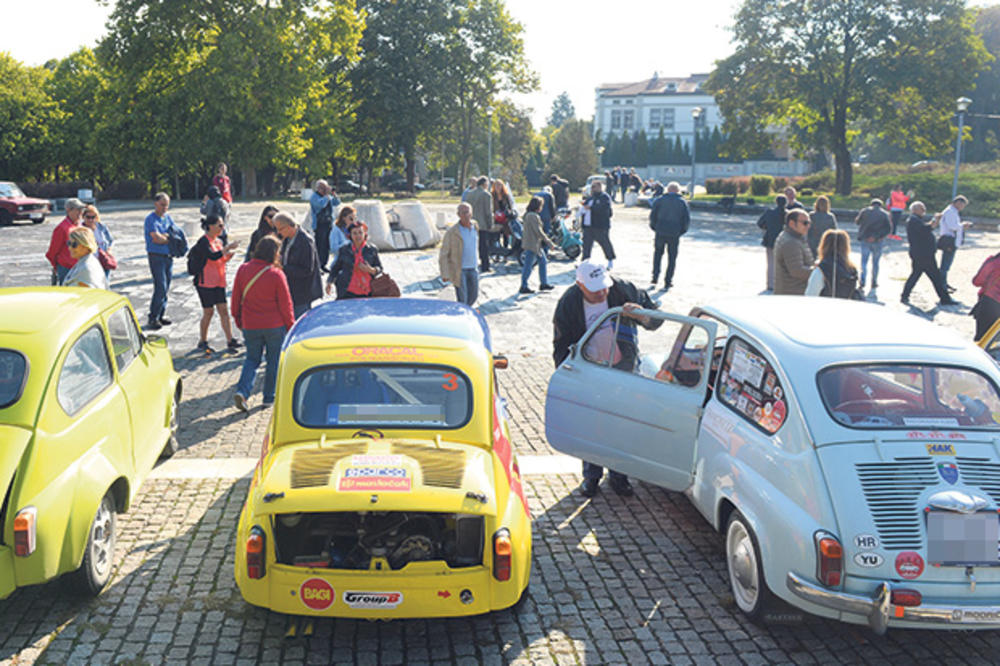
[444, 594]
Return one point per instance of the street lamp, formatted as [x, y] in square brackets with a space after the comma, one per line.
[600, 154]
[695, 115]
[489, 143]
[963, 104]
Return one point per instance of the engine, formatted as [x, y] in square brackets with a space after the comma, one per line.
[373, 540]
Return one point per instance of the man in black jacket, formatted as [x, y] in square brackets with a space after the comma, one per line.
[560, 191]
[670, 219]
[598, 226]
[923, 247]
[300, 263]
[594, 293]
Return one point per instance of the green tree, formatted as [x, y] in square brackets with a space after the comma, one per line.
[79, 86]
[660, 152]
[626, 150]
[573, 155]
[845, 60]
[27, 114]
[516, 137]
[641, 149]
[986, 97]
[562, 110]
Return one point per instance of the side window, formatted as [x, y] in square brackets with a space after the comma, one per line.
[749, 385]
[85, 373]
[124, 338]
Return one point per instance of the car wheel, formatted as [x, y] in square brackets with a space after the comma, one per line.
[39, 220]
[172, 445]
[746, 574]
[573, 251]
[6, 219]
[98, 558]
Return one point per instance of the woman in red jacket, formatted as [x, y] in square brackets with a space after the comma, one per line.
[262, 308]
[987, 309]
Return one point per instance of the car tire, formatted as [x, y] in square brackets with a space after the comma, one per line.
[99, 554]
[573, 251]
[519, 604]
[39, 220]
[172, 445]
[746, 573]
[6, 219]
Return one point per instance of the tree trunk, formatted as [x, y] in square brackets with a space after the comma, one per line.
[411, 165]
[249, 181]
[841, 153]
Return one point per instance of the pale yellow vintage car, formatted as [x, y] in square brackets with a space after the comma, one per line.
[87, 405]
[387, 486]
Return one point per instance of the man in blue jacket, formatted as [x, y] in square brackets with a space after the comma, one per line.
[597, 226]
[670, 219]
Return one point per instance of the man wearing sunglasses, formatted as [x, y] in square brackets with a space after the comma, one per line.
[793, 260]
[58, 254]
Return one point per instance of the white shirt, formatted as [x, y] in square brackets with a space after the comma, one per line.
[602, 344]
[951, 224]
[816, 282]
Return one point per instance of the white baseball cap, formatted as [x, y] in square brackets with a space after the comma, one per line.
[593, 276]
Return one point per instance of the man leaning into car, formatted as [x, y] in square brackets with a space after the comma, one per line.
[594, 293]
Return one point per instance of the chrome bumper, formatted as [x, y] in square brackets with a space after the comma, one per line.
[880, 611]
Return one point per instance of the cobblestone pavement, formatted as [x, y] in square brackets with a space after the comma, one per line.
[614, 581]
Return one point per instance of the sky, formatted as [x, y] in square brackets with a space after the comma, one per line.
[573, 45]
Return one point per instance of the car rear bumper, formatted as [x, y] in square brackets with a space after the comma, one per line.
[881, 612]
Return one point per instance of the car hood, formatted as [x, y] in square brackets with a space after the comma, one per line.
[882, 489]
[22, 201]
[376, 475]
[13, 443]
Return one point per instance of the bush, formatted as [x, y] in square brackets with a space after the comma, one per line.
[133, 188]
[730, 186]
[63, 190]
[821, 181]
[806, 192]
[780, 183]
[761, 186]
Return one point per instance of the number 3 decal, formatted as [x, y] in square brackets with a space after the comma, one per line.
[451, 384]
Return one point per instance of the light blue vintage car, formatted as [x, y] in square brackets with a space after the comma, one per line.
[849, 455]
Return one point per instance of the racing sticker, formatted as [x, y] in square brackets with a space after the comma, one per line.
[316, 594]
[384, 479]
[948, 472]
[505, 452]
[747, 367]
[909, 565]
[358, 600]
[941, 449]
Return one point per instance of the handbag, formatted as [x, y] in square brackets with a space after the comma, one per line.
[107, 260]
[946, 243]
[384, 286]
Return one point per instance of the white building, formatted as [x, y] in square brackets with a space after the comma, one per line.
[654, 104]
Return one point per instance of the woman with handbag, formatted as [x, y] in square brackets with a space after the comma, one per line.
[262, 307]
[92, 220]
[356, 265]
[503, 209]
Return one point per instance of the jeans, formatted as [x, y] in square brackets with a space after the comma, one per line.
[947, 256]
[468, 291]
[258, 340]
[671, 243]
[529, 262]
[592, 471]
[162, 267]
[601, 236]
[896, 215]
[875, 251]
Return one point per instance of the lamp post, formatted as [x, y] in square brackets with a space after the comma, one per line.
[489, 143]
[962, 103]
[600, 154]
[695, 115]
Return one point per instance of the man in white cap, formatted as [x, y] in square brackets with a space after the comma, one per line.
[594, 293]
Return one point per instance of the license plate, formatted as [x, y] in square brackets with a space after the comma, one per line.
[36, 216]
[963, 539]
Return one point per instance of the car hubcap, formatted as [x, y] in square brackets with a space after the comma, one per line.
[100, 550]
[742, 566]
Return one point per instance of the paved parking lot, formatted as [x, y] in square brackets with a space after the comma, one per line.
[632, 581]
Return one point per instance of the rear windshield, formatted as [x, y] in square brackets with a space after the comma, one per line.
[382, 395]
[910, 396]
[13, 373]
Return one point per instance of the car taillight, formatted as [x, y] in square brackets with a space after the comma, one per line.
[256, 552]
[501, 554]
[24, 531]
[906, 598]
[829, 559]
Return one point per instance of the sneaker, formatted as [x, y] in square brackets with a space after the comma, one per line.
[546, 287]
[949, 301]
[589, 487]
[203, 347]
[235, 343]
[234, 346]
[904, 300]
[152, 325]
[241, 402]
[623, 488]
[526, 290]
[165, 322]
[895, 237]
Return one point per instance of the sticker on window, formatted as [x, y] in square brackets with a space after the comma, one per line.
[747, 367]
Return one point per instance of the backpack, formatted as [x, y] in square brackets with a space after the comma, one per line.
[324, 216]
[196, 260]
[177, 244]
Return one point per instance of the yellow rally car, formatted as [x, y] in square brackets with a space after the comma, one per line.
[387, 486]
[87, 405]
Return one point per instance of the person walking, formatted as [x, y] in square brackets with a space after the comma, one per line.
[791, 198]
[951, 235]
[534, 243]
[669, 219]
[793, 261]
[262, 307]
[222, 182]
[548, 211]
[92, 220]
[821, 220]
[835, 275]
[87, 270]
[897, 205]
[355, 266]
[987, 308]
[920, 235]
[299, 262]
[873, 226]
[482, 213]
[599, 229]
[593, 294]
[457, 257]
[321, 211]
[612, 184]
[214, 205]
[156, 229]
[265, 227]
[58, 253]
[212, 255]
[772, 221]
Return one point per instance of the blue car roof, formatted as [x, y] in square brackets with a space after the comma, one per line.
[392, 316]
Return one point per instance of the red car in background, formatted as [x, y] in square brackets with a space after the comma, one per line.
[14, 205]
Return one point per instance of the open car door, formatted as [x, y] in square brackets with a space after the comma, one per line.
[630, 394]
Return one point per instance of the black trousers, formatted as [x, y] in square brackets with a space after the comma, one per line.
[602, 237]
[929, 268]
[323, 244]
[670, 243]
[986, 312]
[486, 241]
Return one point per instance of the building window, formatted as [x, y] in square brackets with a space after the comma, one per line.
[628, 101]
[628, 120]
[654, 118]
[615, 101]
[668, 119]
[702, 119]
[616, 120]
